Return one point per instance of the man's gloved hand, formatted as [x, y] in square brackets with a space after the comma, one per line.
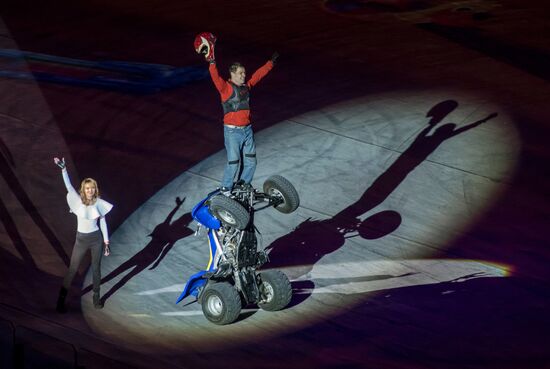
[274, 57]
[209, 54]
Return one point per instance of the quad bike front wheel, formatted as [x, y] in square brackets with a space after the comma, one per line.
[221, 303]
[229, 212]
[278, 187]
[275, 290]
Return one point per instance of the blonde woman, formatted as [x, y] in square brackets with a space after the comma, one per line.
[92, 234]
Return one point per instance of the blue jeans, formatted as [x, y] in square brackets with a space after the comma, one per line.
[239, 142]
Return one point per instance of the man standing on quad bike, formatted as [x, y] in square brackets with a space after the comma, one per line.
[235, 96]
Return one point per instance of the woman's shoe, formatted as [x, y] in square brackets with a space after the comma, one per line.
[60, 307]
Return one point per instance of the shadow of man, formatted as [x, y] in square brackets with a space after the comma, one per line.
[313, 239]
[163, 238]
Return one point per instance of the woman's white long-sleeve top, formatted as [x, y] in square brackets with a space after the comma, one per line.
[87, 215]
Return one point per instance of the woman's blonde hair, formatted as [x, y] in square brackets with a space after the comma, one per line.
[83, 195]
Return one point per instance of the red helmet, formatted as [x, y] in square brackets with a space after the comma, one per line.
[204, 44]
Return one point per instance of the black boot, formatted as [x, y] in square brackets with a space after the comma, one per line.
[60, 307]
[98, 304]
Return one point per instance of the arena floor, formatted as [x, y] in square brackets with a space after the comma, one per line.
[414, 132]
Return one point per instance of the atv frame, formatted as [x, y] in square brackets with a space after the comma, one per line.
[231, 279]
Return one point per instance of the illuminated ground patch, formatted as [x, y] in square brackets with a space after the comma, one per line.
[385, 182]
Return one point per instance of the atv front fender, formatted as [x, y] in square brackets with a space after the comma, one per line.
[195, 282]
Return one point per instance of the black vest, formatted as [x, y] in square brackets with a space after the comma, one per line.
[239, 99]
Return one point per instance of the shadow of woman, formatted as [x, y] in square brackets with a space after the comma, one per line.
[6, 164]
[313, 239]
[163, 238]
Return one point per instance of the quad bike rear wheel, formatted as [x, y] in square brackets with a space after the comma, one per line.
[229, 212]
[279, 187]
[275, 290]
[221, 303]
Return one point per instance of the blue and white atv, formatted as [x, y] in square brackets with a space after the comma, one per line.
[231, 280]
